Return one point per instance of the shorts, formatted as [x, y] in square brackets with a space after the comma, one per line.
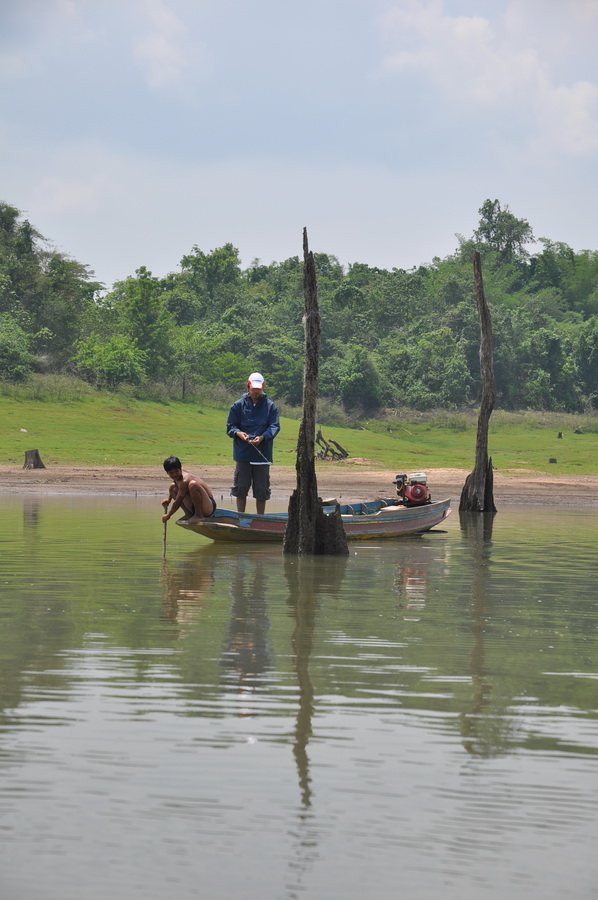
[191, 511]
[249, 475]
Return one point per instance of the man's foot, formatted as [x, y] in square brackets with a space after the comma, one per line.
[194, 520]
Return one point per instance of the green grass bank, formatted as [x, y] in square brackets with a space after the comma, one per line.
[114, 430]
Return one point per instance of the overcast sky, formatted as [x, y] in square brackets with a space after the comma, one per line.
[132, 130]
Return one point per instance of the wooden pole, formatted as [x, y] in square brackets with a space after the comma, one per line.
[478, 491]
[309, 530]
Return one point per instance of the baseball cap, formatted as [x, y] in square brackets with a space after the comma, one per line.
[255, 380]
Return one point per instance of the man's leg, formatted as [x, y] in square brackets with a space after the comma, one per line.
[202, 502]
[241, 484]
[261, 487]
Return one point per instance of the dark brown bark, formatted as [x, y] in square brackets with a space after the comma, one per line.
[309, 530]
[478, 491]
[33, 460]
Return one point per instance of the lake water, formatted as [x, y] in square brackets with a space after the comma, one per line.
[418, 719]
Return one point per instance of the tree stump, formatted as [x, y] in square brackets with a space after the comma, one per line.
[309, 530]
[478, 491]
[33, 460]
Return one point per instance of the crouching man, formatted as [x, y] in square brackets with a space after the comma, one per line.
[188, 493]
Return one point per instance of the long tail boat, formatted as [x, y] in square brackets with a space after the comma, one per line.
[411, 512]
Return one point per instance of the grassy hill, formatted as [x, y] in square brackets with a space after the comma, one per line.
[115, 430]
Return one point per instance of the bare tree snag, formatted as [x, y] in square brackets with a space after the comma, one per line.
[33, 460]
[478, 491]
[309, 530]
[328, 451]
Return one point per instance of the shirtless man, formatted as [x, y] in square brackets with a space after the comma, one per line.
[188, 492]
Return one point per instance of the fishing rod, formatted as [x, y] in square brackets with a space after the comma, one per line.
[255, 447]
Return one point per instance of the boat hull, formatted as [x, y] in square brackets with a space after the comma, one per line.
[374, 520]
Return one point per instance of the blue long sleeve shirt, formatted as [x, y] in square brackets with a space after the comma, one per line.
[254, 419]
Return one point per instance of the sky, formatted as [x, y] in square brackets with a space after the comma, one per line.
[132, 131]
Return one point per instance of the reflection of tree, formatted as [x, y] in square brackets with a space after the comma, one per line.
[302, 600]
[246, 652]
[479, 731]
[309, 578]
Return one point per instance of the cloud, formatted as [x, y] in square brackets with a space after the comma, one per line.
[502, 69]
[13, 65]
[466, 57]
[569, 120]
[60, 195]
[117, 212]
[134, 130]
[160, 51]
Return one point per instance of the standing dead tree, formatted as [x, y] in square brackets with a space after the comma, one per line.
[478, 491]
[309, 531]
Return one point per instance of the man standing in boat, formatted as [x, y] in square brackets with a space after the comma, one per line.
[253, 423]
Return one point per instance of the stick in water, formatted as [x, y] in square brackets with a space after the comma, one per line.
[164, 540]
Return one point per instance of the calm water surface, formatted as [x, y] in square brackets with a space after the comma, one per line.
[420, 718]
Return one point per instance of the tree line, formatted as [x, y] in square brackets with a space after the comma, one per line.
[390, 338]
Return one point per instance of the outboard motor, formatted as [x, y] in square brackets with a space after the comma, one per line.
[412, 489]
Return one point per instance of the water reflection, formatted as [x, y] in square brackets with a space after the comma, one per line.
[424, 710]
[187, 586]
[31, 512]
[246, 653]
[308, 580]
[417, 566]
[478, 738]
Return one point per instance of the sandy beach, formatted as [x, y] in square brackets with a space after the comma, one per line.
[358, 479]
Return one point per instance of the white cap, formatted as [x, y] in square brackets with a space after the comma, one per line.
[255, 380]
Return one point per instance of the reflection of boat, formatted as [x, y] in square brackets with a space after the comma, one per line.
[371, 520]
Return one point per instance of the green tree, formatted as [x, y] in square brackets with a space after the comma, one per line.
[500, 230]
[143, 317]
[110, 361]
[16, 360]
[360, 386]
[586, 358]
[207, 271]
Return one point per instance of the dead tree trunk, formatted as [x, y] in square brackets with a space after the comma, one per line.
[309, 530]
[33, 460]
[478, 491]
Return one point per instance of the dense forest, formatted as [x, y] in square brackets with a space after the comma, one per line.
[390, 339]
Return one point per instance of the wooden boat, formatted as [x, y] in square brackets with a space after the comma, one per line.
[369, 520]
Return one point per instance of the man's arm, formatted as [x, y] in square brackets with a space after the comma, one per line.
[273, 426]
[233, 423]
[180, 496]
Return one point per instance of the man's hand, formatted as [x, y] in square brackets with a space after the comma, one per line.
[242, 435]
[256, 440]
[166, 503]
[166, 517]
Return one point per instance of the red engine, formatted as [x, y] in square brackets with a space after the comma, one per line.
[412, 490]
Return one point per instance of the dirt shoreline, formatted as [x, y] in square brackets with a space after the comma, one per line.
[358, 479]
